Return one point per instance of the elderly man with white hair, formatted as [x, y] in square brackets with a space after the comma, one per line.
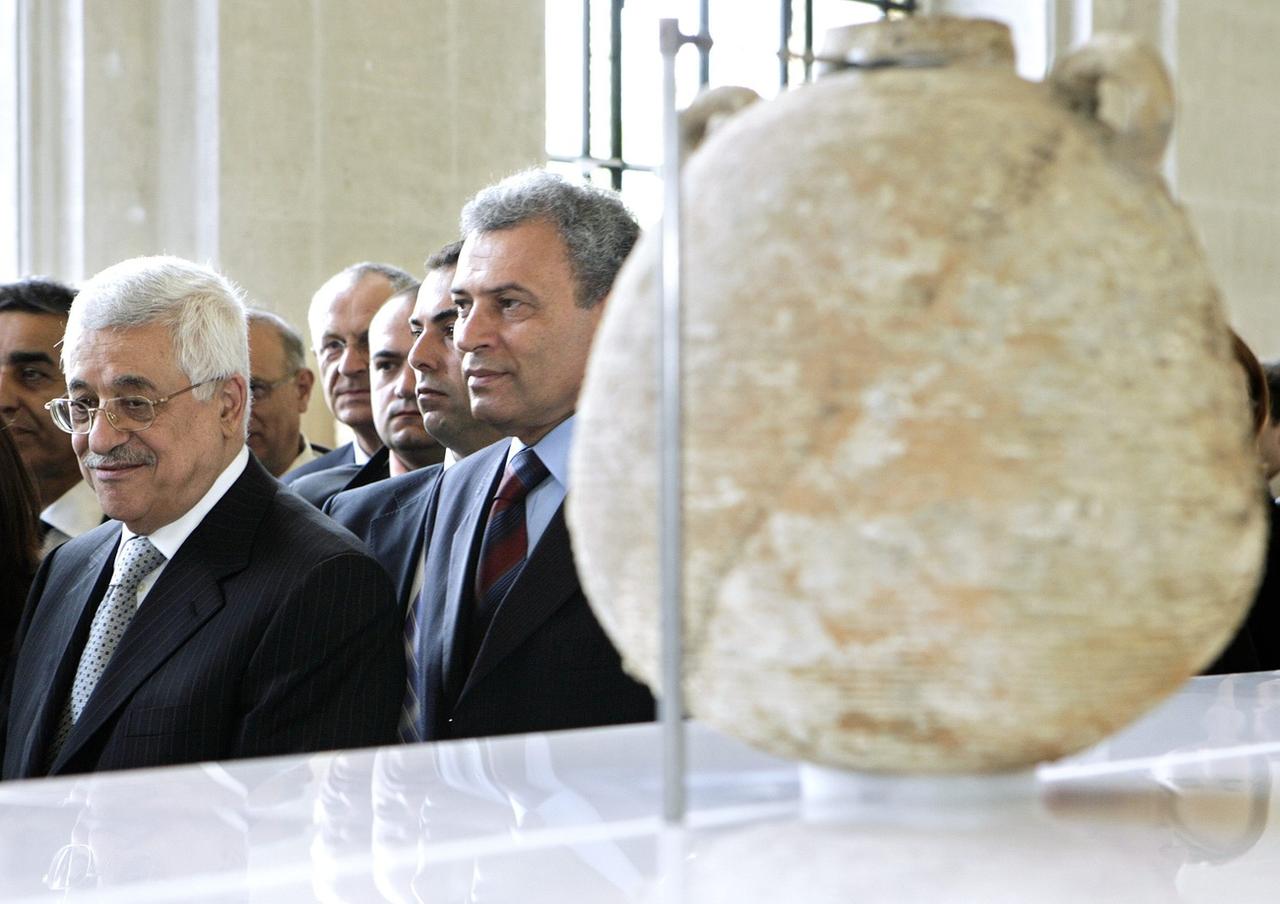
[217, 615]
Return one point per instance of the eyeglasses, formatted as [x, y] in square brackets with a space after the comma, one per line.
[261, 389]
[128, 414]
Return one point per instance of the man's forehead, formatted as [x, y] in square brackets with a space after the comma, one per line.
[31, 331]
[141, 354]
[265, 342]
[347, 307]
[528, 254]
[434, 295]
[389, 328]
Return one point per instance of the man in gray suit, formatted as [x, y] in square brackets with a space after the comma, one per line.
[505, 639]
[218, 615]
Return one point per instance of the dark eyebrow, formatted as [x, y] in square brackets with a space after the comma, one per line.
[21, 357]
[132, 381]
[446, 314]
[505, 287]
[388, 355]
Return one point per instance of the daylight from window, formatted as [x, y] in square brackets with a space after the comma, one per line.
[746, 35]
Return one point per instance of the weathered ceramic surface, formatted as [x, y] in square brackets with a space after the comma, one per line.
[969, 480]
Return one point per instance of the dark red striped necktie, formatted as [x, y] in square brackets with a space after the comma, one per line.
[506, 541]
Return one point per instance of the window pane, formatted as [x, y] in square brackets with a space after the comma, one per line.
[9, 138]
[564, 77]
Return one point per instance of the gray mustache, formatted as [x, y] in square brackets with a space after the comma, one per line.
[120, 455]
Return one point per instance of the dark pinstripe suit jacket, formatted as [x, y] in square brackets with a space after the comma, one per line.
[545, 663]
[271, 631]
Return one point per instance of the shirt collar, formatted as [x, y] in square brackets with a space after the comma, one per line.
[552, 449]
[360, 456]
[169, 539]
[307, 454]
[75, 511]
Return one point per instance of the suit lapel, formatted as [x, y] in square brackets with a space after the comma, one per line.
[465, 547]
[185, 596]
[377, 468]
[398, 537]
[546, 581]
[57, 664]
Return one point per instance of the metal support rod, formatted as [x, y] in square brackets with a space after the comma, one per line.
[670, 438]
[704, 45]
[808, 41]
[586, 78]
[784, 45]
[615, 90]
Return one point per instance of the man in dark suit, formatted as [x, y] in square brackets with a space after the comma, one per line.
[406, 445]
[391, 516]
[218, 616]
[339, 317]
[507, 642]
[33, 314]
[321, 486]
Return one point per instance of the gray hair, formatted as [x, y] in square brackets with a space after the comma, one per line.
[597, 229]
[345, 279]
[203, 310]
[295, 351]
[400, 280]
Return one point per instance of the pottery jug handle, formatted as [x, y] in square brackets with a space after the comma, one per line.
[1120, 83]
[709, 111]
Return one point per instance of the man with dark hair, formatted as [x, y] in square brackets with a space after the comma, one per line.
[339, 317]
[33, 315]
[280, 386]
[506, 641]
[391, 516]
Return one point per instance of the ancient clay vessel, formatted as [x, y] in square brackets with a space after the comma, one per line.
[968, 467]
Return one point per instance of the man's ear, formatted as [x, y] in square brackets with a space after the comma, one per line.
[304, 380]
[233, 399]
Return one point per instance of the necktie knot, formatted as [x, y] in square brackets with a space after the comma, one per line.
[140, 558]
[524, 472]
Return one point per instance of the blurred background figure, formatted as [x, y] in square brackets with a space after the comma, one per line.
[19, 541]
[33, 315]
[280, 383]
[339, 320]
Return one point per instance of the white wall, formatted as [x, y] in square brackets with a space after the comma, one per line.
[278, 140]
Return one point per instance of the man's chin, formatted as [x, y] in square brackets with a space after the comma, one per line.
[359, 417]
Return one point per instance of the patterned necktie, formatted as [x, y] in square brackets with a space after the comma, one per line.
[505, 544]
[412, 728]
[109, 623]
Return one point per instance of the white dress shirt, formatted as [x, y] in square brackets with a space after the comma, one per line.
[543, 500]
[307, 454]
[73, 513]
